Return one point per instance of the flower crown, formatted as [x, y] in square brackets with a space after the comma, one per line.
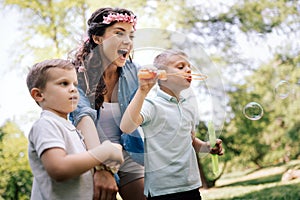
[120, 18]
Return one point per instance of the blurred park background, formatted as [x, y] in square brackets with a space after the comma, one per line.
[254, 46]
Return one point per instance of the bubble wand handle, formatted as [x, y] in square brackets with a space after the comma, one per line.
[212, 141]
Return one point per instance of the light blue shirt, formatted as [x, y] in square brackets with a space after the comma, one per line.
[170, 160]
[128, 84]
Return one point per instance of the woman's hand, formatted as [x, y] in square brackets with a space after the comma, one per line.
[105, 186]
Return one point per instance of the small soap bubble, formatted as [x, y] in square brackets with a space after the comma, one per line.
[253, 111]
[282, 89]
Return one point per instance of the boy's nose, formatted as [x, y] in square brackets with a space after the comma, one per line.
[188, 70]
[73, 88]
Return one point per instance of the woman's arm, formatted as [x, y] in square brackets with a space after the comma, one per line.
[105, 186]
[88, 129]
[84, 117]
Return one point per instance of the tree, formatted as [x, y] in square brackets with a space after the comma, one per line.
[220, 24]
[273, 138]
[16, 176]
[49, 28]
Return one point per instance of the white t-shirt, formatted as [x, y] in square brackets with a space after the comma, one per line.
[53, 131]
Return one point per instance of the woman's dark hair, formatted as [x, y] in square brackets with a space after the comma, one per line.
[88, 56]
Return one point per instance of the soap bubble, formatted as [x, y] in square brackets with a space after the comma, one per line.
[282, 89]
[253, 111]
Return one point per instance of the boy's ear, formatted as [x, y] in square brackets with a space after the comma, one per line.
[97, 39]
[36, 94]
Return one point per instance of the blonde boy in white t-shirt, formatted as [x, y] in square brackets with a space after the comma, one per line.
[60, 163]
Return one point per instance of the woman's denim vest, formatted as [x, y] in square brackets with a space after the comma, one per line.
[128, 84]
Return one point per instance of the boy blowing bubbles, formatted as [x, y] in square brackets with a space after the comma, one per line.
[60, 163]
[168, 121]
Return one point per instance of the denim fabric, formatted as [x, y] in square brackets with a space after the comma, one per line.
[83, 109]
[128, 84]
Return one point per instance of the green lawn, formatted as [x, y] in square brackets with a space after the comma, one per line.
[263, 184]
[252, 184]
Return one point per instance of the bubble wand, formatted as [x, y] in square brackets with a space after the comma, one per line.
[212, 141]
[163, 75]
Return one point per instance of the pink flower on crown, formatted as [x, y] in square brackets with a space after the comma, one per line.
[120, 18]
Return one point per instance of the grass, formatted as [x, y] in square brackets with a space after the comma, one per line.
[253, 184]
[267, 191]
[262, 184]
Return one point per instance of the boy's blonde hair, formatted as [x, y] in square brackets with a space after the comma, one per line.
[162, 60]
[38, 74]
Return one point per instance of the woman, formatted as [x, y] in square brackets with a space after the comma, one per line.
[107, 82]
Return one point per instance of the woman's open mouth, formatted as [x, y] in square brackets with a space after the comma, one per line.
[123, 53]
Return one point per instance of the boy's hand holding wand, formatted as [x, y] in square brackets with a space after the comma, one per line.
[216, 148]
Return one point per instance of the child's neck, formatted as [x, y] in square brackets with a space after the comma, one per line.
[173, 93]
[60, 114]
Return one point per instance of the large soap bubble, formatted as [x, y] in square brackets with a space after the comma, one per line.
[207, 97]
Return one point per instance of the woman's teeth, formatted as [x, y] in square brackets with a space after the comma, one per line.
[123, 52]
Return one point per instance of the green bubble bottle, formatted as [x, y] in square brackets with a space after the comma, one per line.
[212, 141]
